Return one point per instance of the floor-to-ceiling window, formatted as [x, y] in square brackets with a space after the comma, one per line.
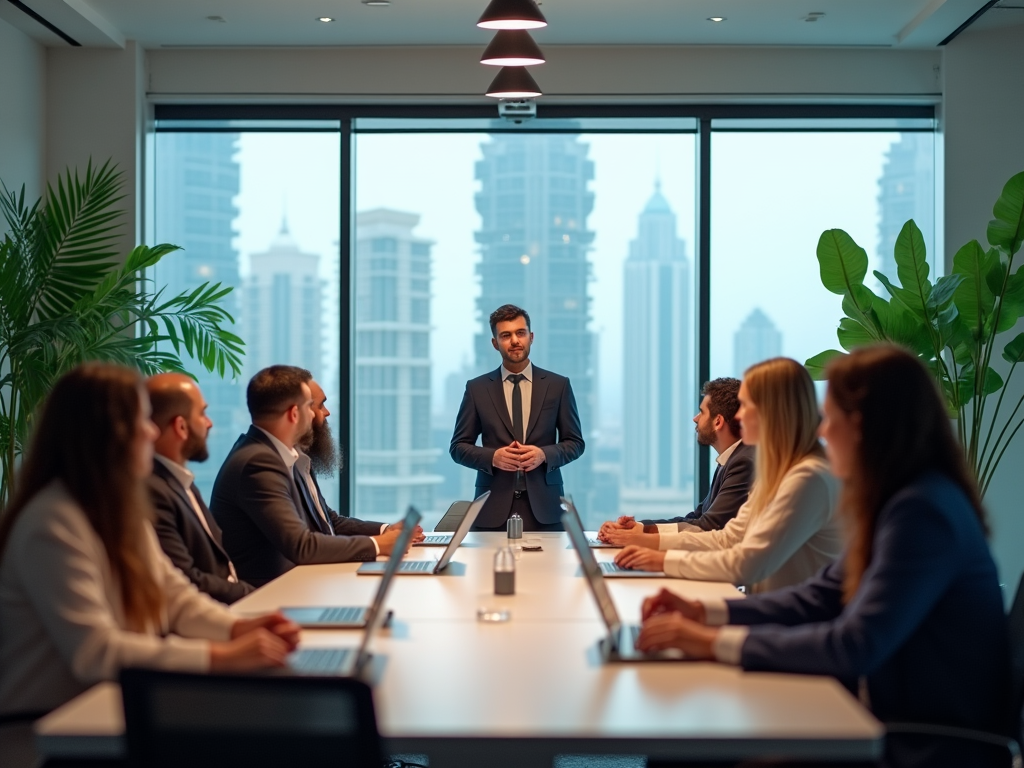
[371, 251]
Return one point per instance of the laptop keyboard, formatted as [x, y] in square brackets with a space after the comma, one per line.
[632, 633]
[437, 539]
[316, 660]
[344, 615]
[610, 567]
[418, 566]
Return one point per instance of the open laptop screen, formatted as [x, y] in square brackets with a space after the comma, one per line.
[591, 570]
[460, 533]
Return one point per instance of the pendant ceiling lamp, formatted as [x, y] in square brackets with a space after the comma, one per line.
[514, 83]
[512, 14]
[512, 48]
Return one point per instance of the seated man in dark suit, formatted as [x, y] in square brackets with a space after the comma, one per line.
[186, 529]
[269, 526]
[716, 426]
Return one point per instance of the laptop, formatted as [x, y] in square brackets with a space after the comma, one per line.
[431, 567]
[620, 643]
[592, 539]
[348, 662]
[609, 568]
[352, 616]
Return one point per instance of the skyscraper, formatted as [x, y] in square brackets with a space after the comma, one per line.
[282, 319]
[906, 190]
[534, 202]
[199, 179]
[395, 456]
[658, 401]
[756, 339]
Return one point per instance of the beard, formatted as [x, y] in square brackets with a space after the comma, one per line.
[324, 457]
[195, 448]
[706, 437]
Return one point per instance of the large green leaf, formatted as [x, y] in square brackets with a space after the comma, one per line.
[1013, 352]
[841, 262]
[852, 334]
[1006, 230]
[973, 298]
[906, 298]
[816, 365]
[912, 265]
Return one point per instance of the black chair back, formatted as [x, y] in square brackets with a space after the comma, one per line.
[211, 721]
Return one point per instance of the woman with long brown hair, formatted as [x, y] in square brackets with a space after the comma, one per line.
[84, 587]
[787, 529]
[913, 612]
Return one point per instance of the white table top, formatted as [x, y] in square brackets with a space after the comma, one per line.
[442, 677]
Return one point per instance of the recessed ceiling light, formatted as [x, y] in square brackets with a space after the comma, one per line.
[813, 16]
[716, 18]
[324, 19]
[219, 19]
[377, 3]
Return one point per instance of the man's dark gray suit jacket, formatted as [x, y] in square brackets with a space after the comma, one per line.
[267, 526]
[728, 492]
[554, 427]
[199, 555]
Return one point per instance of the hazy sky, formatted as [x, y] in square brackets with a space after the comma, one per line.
[773, 194]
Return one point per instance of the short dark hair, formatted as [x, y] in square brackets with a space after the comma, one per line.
[506, 313]
[169, 403]
[274, 390]
[723, 400]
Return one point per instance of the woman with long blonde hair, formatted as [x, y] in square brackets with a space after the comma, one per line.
[84, 587]
[787, 530]
[912, 615]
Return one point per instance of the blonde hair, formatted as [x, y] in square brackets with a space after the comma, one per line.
[787, 407]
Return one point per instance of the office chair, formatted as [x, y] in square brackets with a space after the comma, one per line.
[1015, 620]
[267, 721]
[451, 519]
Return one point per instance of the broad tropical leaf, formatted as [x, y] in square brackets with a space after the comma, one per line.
[1006, 230]
[912, 266]
[842, 263]
[816, 365]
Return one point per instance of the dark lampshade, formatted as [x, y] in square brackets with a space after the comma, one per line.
[512, 14]
[513, 83]
[512, 48]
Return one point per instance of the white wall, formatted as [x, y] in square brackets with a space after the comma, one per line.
[95, 106]
[984, 139]
[22, 111]
[595, 73]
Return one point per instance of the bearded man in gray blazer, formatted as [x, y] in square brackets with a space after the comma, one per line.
[529, 427]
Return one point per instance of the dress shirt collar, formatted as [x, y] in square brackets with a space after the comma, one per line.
[527, 372]
[181, 474]
[288, 455]
[724, 456]
[304, 464]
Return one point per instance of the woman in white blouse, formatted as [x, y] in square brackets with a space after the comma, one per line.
[787, 530]
[84, 587]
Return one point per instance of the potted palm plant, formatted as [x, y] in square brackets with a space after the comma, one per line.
[953, 325]
[67, 297]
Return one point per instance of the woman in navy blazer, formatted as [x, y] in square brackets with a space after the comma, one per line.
[911, 618]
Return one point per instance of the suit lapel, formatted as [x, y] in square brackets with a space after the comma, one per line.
[540, 388]
[182, 494]
[256, 434]
[497, 392]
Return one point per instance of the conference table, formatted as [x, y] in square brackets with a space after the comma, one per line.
[517, 693]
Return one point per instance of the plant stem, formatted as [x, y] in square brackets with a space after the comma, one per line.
[999, 403]
[988, 479]
[989, 466]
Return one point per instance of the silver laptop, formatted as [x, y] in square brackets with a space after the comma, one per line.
[352, 661]
[352, 616]
[607, 567]
[435, 540]
[431, 567]
[620, 643]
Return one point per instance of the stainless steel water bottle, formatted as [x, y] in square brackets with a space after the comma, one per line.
[514, 527]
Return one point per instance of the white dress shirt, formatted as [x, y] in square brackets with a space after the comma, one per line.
[288, 454]
[526, 388]
[791, 539]
[185, 478]
[721, 460]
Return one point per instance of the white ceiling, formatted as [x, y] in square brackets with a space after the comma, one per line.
[157, 23]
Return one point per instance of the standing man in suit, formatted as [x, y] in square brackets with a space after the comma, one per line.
[269, 526]
[716, 426]
[529, 426]
[187, 531]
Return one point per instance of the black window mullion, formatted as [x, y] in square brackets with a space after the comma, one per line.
[703, 287]
[344, 416]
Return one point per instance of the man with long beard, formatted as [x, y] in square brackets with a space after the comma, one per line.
[319, 456]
